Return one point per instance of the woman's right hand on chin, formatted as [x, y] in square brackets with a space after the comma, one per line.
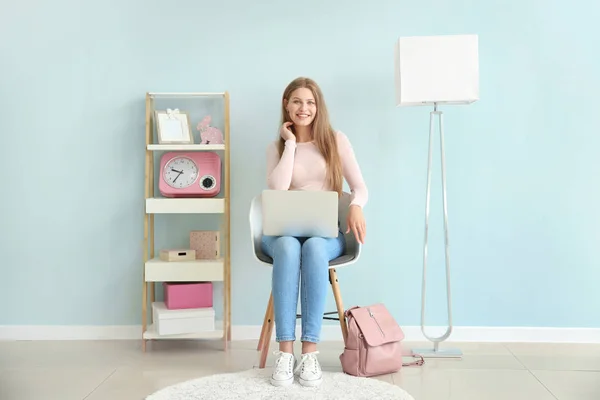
[286, 133]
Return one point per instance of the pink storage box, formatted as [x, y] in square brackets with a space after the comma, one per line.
[181, 295]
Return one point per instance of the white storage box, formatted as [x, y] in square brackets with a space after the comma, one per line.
[177, 322]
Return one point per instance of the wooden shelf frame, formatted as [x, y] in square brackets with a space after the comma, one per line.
[154, 205]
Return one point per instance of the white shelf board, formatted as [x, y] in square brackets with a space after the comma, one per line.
[161, 205]
[216, 334]
[185, 94]
[186, 147]
[158, 270]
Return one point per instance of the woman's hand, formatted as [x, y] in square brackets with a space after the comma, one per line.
[356, 222]
[286, 133]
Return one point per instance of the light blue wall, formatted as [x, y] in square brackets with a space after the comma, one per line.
[522, 163]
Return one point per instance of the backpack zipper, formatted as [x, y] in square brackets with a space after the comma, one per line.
[377, 323]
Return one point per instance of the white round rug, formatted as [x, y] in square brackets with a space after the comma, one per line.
[254, 384]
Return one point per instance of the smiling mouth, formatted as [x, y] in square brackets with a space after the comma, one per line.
[301, 116]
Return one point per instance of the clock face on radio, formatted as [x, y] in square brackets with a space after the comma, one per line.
[180, 172]
[190, 174]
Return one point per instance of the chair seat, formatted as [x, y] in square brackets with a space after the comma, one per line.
[336, 261]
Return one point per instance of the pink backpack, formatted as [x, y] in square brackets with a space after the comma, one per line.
[374, 343]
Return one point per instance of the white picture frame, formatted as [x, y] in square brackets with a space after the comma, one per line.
[173, 127]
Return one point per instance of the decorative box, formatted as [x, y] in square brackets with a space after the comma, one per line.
[178, 322]
[207, 244]
[181, 295]
[177, 255]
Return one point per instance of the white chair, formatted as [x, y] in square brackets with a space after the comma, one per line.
[350, 256]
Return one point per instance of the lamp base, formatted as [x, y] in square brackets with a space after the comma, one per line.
[437, 353]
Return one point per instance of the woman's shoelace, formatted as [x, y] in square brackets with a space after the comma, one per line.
[279, 361]
[311, 359]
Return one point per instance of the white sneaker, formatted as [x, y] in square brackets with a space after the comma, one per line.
[283, 372]
[310, 370]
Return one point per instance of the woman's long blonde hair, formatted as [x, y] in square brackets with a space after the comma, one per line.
[323, 134]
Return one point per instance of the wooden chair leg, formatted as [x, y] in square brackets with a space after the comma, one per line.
[266, 340]
[338, 302]
[263, 331]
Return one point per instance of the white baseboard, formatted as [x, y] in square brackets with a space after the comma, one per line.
[68, 332]
[329, 333]
[461, 334]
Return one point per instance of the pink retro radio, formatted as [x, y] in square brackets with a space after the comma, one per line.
[190, 174]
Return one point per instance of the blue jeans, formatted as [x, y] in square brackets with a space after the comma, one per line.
[294, 260]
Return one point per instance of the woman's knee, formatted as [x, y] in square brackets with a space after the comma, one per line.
[286, 246]
[315, 248]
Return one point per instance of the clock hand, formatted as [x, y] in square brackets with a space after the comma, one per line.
[174, 170]
[180, 172]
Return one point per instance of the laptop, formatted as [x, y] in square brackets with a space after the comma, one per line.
[300, 213]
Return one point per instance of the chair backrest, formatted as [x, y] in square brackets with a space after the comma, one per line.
[256, 224]
[352, 245]
[255, 216]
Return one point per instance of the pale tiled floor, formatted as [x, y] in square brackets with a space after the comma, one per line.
[118, 370]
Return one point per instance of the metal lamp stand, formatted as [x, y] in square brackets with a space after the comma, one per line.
[436, 352]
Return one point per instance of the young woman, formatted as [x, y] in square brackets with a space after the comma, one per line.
[309, 155]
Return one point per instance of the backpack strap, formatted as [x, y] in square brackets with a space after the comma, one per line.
[348, 312]
[418, 362]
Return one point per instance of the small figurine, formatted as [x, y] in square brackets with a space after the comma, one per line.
[209, 134]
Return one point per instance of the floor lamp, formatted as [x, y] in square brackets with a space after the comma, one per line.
[434, 71]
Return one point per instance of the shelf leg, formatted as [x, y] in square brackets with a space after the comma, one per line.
[148, 220]
[152, 298]
[227, 218]
[144, 314]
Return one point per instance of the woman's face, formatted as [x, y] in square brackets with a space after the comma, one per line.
[302, 107]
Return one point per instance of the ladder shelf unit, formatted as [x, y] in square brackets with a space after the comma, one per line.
[206, 270]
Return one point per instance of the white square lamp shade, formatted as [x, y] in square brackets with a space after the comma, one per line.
[436, 69]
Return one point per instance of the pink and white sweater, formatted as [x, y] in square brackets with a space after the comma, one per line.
[302, 167]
